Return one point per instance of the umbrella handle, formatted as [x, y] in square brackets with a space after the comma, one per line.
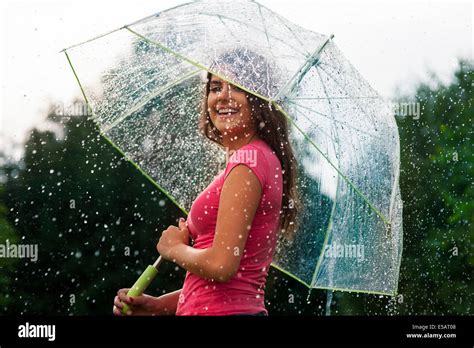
[142, 283]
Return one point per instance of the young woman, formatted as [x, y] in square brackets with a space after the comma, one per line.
[236, 221]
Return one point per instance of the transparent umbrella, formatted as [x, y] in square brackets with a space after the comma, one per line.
[143, 85]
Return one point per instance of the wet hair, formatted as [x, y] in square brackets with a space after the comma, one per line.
[271, 125]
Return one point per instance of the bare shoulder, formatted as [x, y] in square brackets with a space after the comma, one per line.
[241, 178]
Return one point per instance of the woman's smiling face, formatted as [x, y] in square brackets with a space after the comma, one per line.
[229, 108]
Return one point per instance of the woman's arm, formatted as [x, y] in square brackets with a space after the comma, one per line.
[239, 200]
[168, 303]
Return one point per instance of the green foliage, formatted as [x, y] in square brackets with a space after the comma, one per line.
[7, 265]
[95, 218]
[438, 213]
[437, 176]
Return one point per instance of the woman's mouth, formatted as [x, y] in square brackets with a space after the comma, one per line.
[227, 112]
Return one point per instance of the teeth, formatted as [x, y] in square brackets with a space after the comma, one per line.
[226, 111]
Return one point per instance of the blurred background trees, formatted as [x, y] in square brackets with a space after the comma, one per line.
[96, 219]
[436, 182]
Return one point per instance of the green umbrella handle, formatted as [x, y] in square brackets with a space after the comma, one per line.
[142, 283]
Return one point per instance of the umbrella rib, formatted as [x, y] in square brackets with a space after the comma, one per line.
[292, 32]
[160, 12]
[357, 291]
[384, 219]
[228, 28]
[123, 27]
[115, 146]
[331, 217]
[268, 40]
[90, 40]
[199, 65]
[335, 120]
[328, 100]
[326, 237]
[256, 28]
[79, 83]
[264, 26]
[344, 91]
[131, 72]
[282, 21]
[375, 96]
[318, 127]
[266, 32]
[335, 80]
[322, 98]
[310, 286]
[329, 65]
[308, 64]
[166, 193]
[146, 100]
[291, 275]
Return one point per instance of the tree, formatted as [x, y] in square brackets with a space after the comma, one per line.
[436, 186]
[7, 236]
[94, 217]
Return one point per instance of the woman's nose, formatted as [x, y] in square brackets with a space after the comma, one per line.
[225, 93]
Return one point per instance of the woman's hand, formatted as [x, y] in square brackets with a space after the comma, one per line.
[139, 305]
[172, 238]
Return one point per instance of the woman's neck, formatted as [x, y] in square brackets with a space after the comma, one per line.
[232, 144]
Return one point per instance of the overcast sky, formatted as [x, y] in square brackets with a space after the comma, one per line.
[392, 43]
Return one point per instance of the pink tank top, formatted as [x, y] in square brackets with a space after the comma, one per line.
[243, 293]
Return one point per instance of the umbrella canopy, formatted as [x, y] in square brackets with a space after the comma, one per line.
[144, 86]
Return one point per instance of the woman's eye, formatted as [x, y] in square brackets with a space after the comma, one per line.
[218, 89]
